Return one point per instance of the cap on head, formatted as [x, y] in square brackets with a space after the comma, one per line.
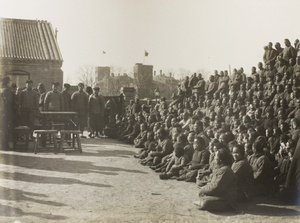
[56, 84]
[5, 80]
[29, 82]
[41, 86]
[96, 88]
[81, 84]
[67, 86]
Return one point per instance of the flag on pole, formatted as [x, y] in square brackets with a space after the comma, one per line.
[103, 52]
[146, 53]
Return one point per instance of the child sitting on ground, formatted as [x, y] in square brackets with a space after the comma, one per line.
[189, 149]
[142, 136]
[263, 170]
[111, 129]
[178, 161]
[163, 148]
[199, 160]
[162, 166]
[204, 173]
[243, 172]
[150, 145]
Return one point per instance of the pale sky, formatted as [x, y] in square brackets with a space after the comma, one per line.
[188, 34]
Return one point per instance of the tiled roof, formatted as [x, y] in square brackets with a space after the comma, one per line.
[28, 40]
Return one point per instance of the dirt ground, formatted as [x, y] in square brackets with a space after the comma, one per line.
[106, 184]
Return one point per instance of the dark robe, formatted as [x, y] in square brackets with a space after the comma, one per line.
[292, 183]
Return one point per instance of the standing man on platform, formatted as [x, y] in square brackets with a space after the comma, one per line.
[198, 89]
[270, 55]
[79, 104]
[96, 111]
[54, 99]
[29, 105]
[288, 52]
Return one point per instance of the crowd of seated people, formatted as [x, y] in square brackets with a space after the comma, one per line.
[233, 135]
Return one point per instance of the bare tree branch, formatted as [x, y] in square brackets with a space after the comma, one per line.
[87, 75]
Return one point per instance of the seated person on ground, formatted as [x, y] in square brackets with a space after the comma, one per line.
[164, 147]
[219, 194]
[111, 129]
[177, 162]
[199, 160]
[263, 171]
[142, 137]
[243, 172]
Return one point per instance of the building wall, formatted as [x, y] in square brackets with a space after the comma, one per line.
[29, 49]
[45, 73]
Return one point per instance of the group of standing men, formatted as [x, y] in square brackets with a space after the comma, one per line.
[23, 109]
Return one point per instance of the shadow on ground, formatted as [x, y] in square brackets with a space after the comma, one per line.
[19, 195]
[8, 211]
[101, 153]
[60, 165]
[45, 179]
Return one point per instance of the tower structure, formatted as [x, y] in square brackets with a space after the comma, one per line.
[101, 73]
[143, 75]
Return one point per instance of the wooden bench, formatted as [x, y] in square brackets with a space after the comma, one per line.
[42, 134]
[74, 135]
[21, 131]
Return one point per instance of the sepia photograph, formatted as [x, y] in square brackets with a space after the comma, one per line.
[149, 111]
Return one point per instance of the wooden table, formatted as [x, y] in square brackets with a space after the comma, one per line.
[68, 127]
[67, 119]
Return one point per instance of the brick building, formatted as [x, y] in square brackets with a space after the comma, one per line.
[29, 50]
[143, 75]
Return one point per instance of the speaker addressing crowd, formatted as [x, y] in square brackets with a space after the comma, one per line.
[235, 136]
